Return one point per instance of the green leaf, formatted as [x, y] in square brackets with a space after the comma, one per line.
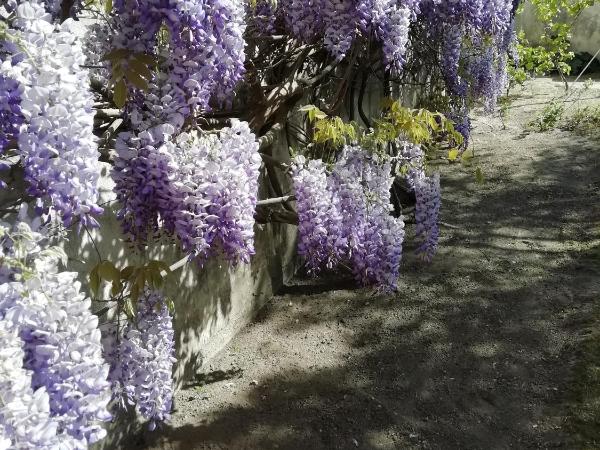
[94, 281]
[145, 58]
[140, 67]
[120, 93]
[108, 271]
[467, 155]
[116, 54]
[117, 287]
[134, 292]
[108, 6]
[135, 79]
[171, 306]
[129, 309]
[453, 154]
[127, 272]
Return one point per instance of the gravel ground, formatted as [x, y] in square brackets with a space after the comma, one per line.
[475, 351]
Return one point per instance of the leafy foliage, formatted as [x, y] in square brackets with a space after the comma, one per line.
[549, 117]
[419, 126]
[585, 120]
[553, 52]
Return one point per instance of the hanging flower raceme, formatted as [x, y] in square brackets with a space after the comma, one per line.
[141, 357]
[314, 205]
[218, 185]
[233, 191]
[339, 22]
[376, 238]
[56, 143]
[344, 216]
[263, 16]
[203, 190]
[25, 420]
[10, 111]
[52, 339]
[203, 57]
[427, 192]
[391, 24]
[143, 172]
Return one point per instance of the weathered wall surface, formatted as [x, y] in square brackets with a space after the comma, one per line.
[586, 31]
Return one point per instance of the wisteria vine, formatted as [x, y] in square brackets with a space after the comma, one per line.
[199, 87]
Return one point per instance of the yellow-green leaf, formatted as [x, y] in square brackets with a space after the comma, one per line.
[453, 154]
[118, 53]
[108, 271]
[144, 58]
[117, 286]
[140, 67]
[134, 78]
[127, 272]
[129, 310]
[94, 281]
[108, 6]
[468, 155]
[120, 93]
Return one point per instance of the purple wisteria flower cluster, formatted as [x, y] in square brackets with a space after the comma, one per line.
[11, 118]
[52, 114]
[339, 22]
[53, 378]
[141, 356]
[204, 56]
[263, 16]
[345, 217]
[203, 189]
[475, 37]
[411, 163]
[391, 24]
[314, 204]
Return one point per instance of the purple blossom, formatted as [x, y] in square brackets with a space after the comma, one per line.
[11, 118]
[56, 144]
[451, 54]
[391, 25]
[141, 357]
[313, 204]
[344, 217]
[202, 190]
[233, 191]
[143, 172]
[61, 397]
[25, 420]
[462, 124]
[205, 57]
[263, 17]
[375, 242]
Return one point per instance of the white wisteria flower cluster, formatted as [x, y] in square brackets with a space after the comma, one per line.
[56, 143]
[53, 379]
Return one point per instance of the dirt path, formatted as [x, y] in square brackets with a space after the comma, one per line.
[475, 351]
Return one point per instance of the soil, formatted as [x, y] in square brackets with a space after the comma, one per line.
[475, 351]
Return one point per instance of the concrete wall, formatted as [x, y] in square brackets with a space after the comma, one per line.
[586, 31]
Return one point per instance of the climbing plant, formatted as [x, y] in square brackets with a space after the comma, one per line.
[182, 101]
